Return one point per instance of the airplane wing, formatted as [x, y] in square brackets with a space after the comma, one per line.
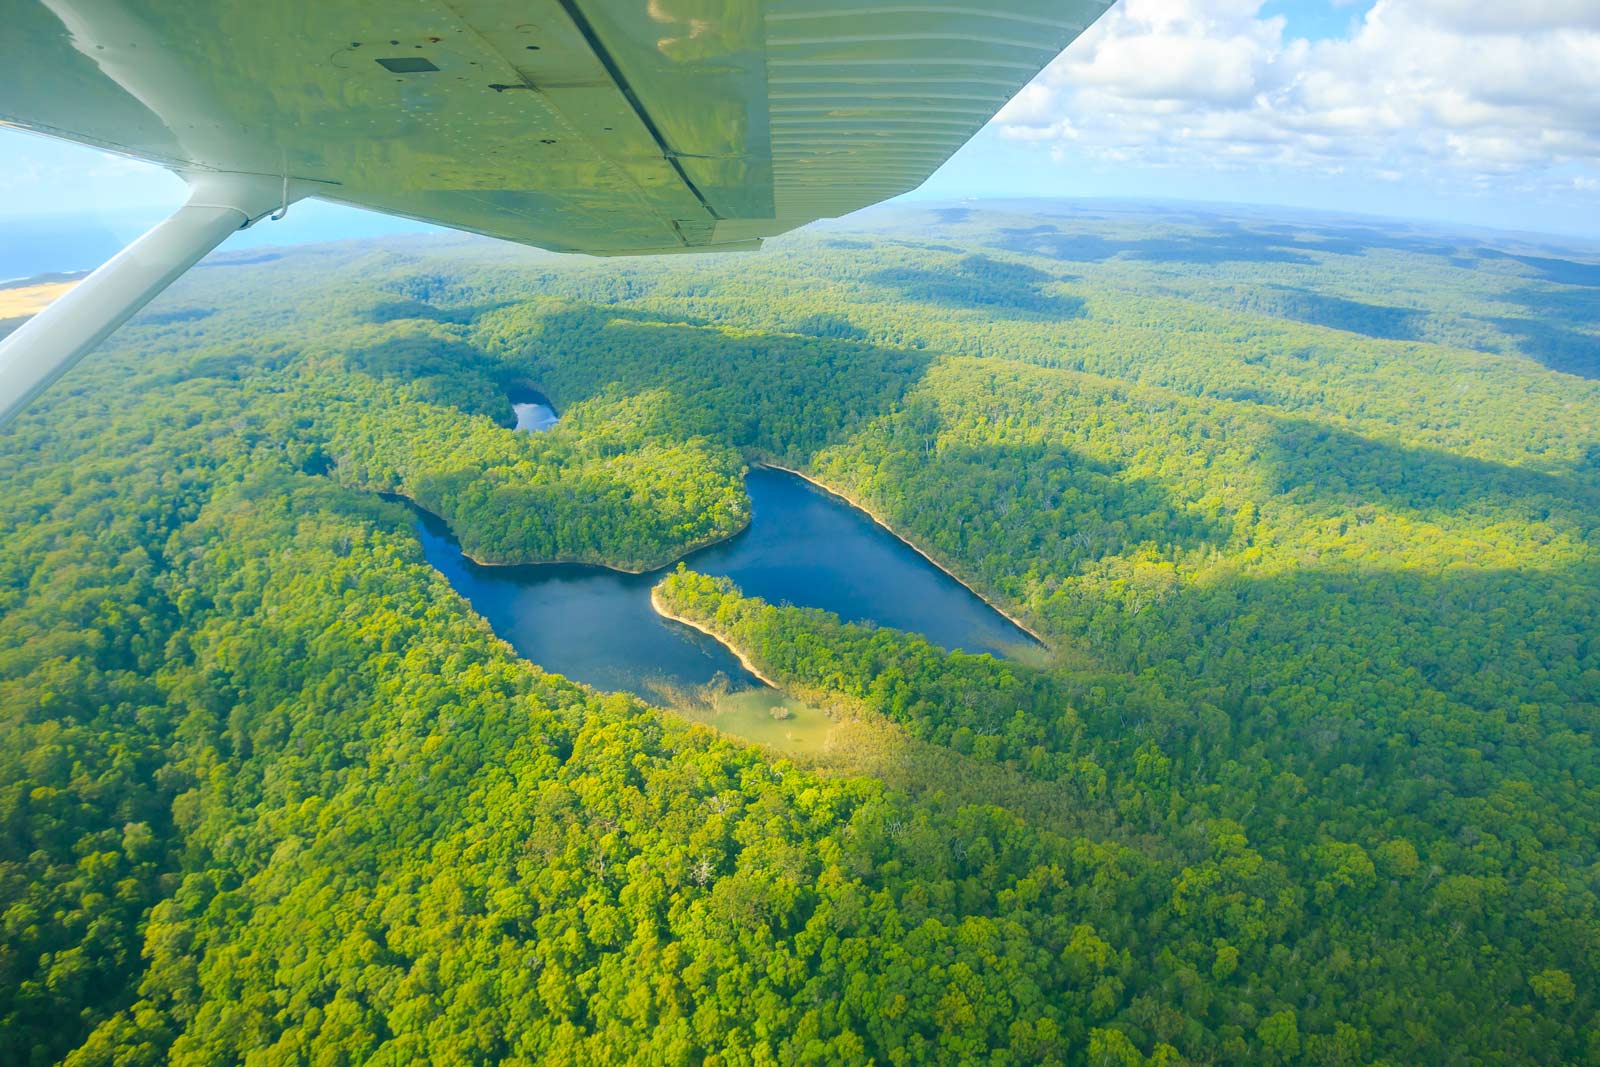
[598, 126]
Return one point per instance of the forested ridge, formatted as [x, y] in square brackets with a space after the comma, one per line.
[1308, 512]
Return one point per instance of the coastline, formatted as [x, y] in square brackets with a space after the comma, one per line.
[881, 521]
[744, 660]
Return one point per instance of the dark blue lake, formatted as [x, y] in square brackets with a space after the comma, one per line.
[803, 546]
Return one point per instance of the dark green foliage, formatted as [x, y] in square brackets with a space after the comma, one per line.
[977, 281]
[1374, 320]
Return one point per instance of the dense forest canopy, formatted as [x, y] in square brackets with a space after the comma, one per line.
[1307, 510]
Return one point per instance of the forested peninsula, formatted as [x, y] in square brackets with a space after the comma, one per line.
[1307, 512]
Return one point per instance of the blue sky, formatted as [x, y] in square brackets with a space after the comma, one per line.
[1462, 111]
[1317, 20]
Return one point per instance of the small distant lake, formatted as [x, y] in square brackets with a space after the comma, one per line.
[535, 416]
[803, 546]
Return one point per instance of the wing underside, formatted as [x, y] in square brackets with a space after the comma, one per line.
[575, 125]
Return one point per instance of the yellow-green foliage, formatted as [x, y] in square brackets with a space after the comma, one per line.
[1308, 515]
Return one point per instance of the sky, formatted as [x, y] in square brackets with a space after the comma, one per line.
[1477, 111]
[1482, 112]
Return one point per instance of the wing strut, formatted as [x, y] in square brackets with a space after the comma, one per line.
[47, 345]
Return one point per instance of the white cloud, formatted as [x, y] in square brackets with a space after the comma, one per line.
[1461, 90]
[1523, 16]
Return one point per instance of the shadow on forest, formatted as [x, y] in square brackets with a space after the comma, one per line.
[1229, 242]
[408, 308]
[981, 283]
[174, 316]
[929, 246]
[1569, 305]
[1318, 309]
[1346, 471]
[828, 324]
[239, 259]
[1359, 240]
[1560, 271]
[1497, 641]
[1555, 337]
[1557, 347]
[437, 370]
[1241, 247]
[1076, 508]
[411, 356]
[777, 393]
